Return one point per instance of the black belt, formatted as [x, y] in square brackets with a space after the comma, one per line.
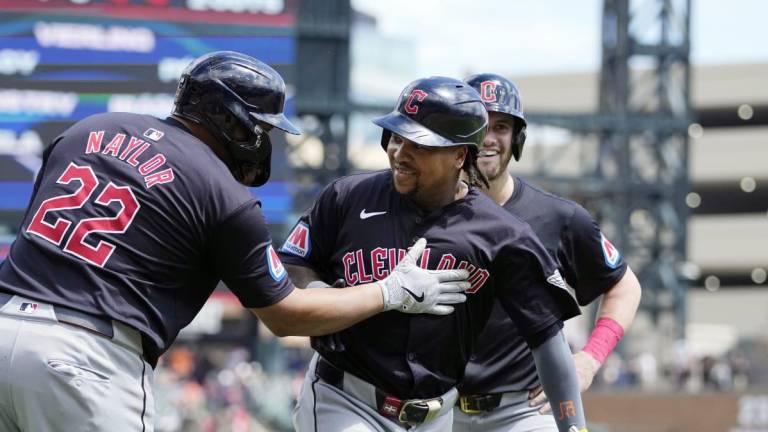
[410, 411]
[476, 404]
[99, 325]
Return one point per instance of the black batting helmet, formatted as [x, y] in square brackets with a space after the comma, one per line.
[501, 95]
[229, 93]
[437, 112]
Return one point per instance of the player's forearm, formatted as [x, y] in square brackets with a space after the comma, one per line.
[316, 312]
[620, 303]
[557, 373]
[616, 313]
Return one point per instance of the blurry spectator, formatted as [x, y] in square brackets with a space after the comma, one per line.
[646, 370]
[739, 369]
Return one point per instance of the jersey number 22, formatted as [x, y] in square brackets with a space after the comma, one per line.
[75, 245]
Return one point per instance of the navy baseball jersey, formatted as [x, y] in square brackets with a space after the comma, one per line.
[134, 218]
[590, 263]
[358, 230]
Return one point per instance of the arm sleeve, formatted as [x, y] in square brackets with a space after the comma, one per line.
[591, 264]
[557, 372]
[311, 242]
[242, 252]
[530, 289]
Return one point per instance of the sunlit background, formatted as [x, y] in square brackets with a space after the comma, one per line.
[653, 114]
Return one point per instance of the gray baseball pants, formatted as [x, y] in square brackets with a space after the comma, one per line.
[56, 377]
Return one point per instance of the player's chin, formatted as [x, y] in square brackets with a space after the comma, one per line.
[490, 167]
[404, 188]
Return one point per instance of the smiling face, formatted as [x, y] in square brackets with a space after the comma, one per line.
[496, 151]
[426, 174]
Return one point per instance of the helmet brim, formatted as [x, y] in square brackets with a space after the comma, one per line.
[279, 121]
[397, 123]
[494, 107]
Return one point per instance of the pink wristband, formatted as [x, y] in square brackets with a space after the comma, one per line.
[603, 339]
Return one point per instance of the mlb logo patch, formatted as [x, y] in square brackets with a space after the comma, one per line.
[276, 268]
[610, 253]
[29, 308]
[298, 242]
[153, 134]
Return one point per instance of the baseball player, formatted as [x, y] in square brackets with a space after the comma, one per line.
[394, 372]
[501, 375]
[132, 223]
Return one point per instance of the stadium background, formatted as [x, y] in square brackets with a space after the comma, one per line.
[61, 60]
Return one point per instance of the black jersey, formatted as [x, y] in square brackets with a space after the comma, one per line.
[135, 219]
[590, 263]
[358, 230]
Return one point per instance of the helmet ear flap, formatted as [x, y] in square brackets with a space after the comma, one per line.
[519, 140]
[385, 136]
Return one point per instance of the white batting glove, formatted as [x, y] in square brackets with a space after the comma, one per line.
[412, 289]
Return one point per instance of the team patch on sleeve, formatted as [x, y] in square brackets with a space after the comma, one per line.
[298, 242]
[610, 253]
[276, 268]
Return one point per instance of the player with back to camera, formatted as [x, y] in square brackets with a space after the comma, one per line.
[394, 372]
[501, 376]
[132, 222]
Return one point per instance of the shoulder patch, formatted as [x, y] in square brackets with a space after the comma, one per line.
[276, 268]
[153, 134]
[298, 242]
[610, 253]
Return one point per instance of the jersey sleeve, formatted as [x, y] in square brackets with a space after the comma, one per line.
[312, 240]
[242, 252]
[592, 265]
[530, 288]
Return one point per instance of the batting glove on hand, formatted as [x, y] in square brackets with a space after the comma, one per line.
[412, 289]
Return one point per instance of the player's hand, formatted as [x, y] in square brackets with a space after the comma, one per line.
[586, 369]
[412, 289]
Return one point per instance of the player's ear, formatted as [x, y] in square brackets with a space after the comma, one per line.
[460, 156]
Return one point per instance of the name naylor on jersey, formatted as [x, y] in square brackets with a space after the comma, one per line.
[361, 268]
[130, 150]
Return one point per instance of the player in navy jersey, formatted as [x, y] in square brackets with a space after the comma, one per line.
[392, 371]
[501, 375]
[132, 223]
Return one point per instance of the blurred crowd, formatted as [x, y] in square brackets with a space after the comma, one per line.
[222, 390]
[685, 372]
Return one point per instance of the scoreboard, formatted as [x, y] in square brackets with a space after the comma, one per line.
[63, 60]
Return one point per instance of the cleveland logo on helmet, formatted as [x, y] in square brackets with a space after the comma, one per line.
[418, 95]
[488, 91]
